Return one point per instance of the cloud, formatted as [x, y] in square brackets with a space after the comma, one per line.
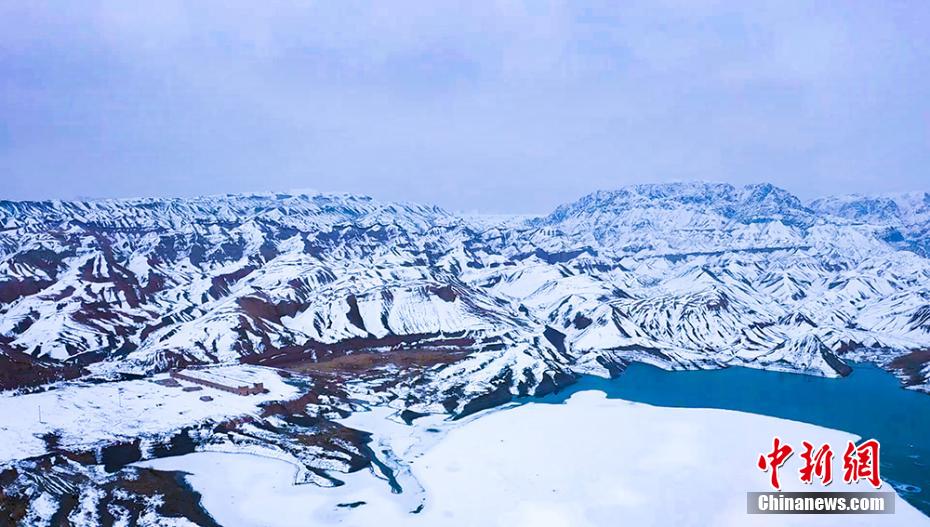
[499, 106]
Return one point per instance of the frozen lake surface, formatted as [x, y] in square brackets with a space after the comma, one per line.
[592, 461]
[869, 403]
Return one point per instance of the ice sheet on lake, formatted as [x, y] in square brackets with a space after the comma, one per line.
[590, 462]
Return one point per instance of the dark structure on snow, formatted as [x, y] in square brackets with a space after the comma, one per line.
[255, 388]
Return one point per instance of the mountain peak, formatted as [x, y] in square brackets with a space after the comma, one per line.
[747, 204]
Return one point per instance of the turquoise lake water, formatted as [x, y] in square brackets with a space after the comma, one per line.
[870, 403]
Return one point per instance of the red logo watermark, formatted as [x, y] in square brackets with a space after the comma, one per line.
[859, 462]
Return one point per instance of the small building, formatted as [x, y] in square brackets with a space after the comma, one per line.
[253, 389]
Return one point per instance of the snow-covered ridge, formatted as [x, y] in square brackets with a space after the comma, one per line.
[746, 204]
[297, 210]
[683, 275]
[908, 208]
[905, 216]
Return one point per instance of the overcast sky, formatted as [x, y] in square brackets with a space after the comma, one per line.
[476, 106]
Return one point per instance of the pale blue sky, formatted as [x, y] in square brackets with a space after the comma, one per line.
[486, 106]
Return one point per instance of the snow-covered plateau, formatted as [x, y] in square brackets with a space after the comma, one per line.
[340, 305]
[85, 416]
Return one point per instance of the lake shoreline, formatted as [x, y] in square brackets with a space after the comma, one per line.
[870, 402]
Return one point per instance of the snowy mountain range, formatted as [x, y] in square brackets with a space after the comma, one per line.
[338, 304]
[685, 275]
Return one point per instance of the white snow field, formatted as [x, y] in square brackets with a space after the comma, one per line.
[592, 461]
[84, 415]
